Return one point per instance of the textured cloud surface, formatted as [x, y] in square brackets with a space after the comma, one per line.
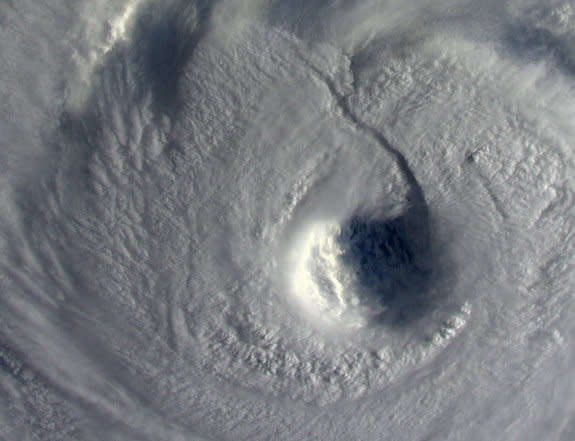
[289, 220]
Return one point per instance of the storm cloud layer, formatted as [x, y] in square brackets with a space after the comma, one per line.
[287, 220]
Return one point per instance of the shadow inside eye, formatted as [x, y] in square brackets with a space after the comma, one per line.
[392, 262]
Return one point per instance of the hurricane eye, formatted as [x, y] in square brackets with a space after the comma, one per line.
[382, 255]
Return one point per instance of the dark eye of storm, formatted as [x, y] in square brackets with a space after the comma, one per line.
[391, 259]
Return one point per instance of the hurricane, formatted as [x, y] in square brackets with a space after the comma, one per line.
[287, 220]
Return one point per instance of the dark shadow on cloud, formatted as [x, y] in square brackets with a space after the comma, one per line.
[300, 17]
[161, 45]
[535, 43]
[394, 263]
[164, 41]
